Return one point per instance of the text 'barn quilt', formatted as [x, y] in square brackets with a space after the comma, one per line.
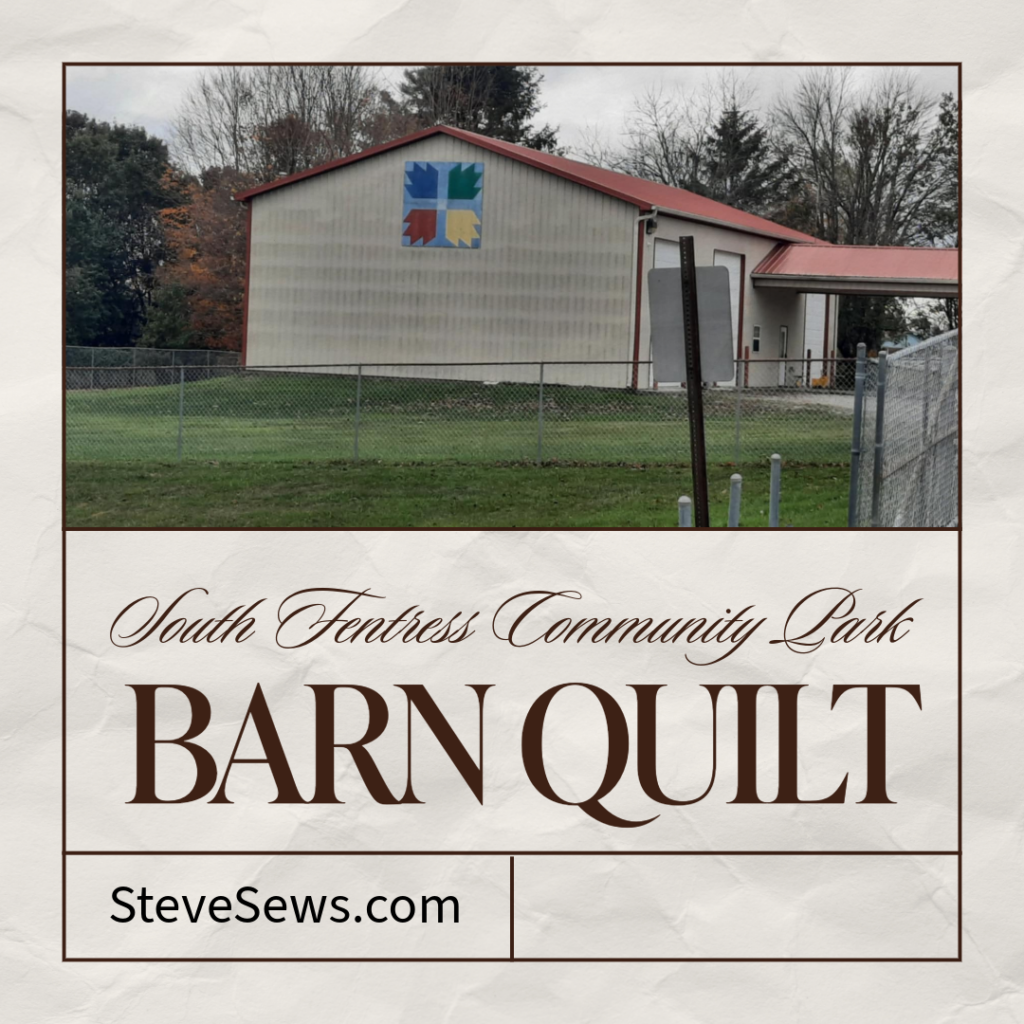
[443, 205]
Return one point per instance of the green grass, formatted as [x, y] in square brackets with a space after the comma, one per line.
[277, 450]
[290, 418]
[371, 494]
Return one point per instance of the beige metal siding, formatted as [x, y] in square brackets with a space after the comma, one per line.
[331, 282]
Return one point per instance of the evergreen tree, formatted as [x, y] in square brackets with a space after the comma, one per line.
[743, 168]
[114, 240]
[498, 100]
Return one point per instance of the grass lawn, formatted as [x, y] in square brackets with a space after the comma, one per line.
[332, 494]
[296, 417]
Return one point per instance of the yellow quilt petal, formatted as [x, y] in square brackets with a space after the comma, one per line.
[461, 227]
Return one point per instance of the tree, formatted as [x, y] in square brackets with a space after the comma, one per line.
[114, 189]
[499, 100]
[667, 137]
[708, 141]
[201, 292]
[945, 216]
[744, 168]
[875, 169]
[269, 121]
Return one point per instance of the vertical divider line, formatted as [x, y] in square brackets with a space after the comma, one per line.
[960, 744]
[64, 745]
[512, 908]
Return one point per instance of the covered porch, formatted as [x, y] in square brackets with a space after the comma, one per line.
[819, 271]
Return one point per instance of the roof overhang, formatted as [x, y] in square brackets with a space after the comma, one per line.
[838, 285]
[904, 271]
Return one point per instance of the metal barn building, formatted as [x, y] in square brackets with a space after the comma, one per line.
[451, 247]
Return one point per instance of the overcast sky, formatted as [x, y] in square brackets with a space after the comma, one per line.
[575, 98]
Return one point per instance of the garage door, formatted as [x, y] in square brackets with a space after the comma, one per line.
[734, 263]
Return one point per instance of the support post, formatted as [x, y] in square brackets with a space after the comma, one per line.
[685, 512]
[181, 409]
[775, 490]
[878, 475]
[858, 417]
[92, 369]
[694, 379]
[735, 494]
[926, 445]
[540, 417]
[359, 402]
[739, 414]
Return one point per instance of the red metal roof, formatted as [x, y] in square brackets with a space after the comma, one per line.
[861, 262]
[643, 194]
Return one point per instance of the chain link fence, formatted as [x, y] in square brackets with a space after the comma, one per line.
[426, 413]
[909, 467]
[84, 358]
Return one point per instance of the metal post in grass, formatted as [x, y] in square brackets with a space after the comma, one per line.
[181, 410]
[858, 414]
[92, 369]
[739, 403]
[694, 377]
[735, 494]
[685, 512]
[776, 488]
[876, 484]
[359, 401]
[540, 417]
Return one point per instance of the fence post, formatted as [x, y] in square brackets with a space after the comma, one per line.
[685, 511]
[739, 402]
[181, 410]
[926, 446]
[876, 484]
[776, 487]
[540, 417]
[735, 493]
[858, 412]
[359, 402]
[92, 369]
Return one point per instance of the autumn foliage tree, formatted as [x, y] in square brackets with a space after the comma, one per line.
[201, 288]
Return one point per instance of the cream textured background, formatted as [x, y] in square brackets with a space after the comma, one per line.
[34, 985]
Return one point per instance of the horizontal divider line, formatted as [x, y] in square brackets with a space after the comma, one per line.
[509, 960]
[512, 853]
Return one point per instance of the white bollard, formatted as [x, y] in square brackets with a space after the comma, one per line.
[776, 487]
[735, 493]
[685, 511]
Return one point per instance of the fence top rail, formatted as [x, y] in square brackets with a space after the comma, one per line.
[526, 362]
[438, 362]
[145, 348]
[940, 339]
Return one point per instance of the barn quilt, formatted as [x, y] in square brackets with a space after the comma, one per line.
[443, 205]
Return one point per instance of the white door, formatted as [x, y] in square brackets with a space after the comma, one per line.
[783, 354]
[666, 254]
[733, 262]
[666, 257]
[814, 334]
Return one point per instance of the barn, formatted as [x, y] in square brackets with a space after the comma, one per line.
[447, 247]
